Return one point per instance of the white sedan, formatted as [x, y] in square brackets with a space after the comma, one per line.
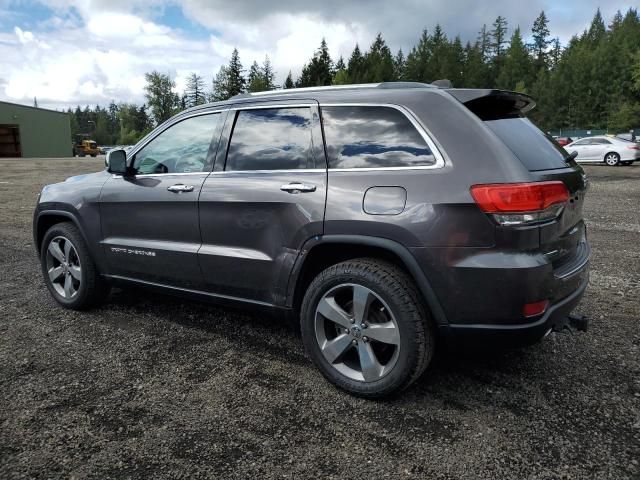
[610, 150]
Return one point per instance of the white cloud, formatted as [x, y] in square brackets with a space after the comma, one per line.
[95, 51]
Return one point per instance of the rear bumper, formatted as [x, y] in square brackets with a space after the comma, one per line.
[483, 335]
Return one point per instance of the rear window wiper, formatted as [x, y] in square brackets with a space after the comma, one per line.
[571, 156]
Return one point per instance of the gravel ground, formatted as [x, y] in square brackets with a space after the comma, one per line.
[150, 386]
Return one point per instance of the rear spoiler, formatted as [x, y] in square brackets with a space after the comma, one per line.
[491, 104]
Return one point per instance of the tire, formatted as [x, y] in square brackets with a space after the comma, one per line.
[78, 285]
[94, 155]
[404, 341]
[82, 154]
[612, 159]
[627, 163]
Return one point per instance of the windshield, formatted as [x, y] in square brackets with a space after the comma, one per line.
[534, 148]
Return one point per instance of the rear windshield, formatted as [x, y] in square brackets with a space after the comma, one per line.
[535, 149]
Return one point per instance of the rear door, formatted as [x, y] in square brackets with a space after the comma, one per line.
[149, 219]
[264, 200]
[584, 149]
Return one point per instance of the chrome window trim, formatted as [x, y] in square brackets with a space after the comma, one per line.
[144, 175]
[268, 105]
[293, 170]
[422, 130]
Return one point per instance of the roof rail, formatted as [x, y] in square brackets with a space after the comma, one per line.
[337, 87]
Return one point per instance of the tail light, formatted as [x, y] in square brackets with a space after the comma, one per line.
[634, 147]
[521, 203]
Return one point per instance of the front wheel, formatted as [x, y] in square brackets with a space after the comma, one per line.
[68, 270]
[612, 159]
[364, 326]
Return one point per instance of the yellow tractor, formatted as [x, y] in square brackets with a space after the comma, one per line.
[84, 146]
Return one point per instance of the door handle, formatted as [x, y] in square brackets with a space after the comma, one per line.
[297, 187]
[178, 188]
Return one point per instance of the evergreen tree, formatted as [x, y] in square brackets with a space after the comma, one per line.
[475, 71]
[235, 79]
[268, 75]
[288, 83]
[484, 43]
[540, 35]
[220, 89]
[255, 80]
[355, 66]
[378, 62]
[194, 93]
[229, 81]
[418, 59]
[399, 66]
[341, 77]
[556, 52]
[319, 70]
[517, 65]
[597, 29]
[498, 37]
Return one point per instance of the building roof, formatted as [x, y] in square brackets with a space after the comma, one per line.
[33, 108]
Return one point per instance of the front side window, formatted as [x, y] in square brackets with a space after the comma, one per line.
[373, 137]
[271, 139]
[182, 148]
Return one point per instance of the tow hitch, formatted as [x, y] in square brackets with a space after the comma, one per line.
[577, 322]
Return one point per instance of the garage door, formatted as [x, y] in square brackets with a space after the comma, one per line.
[10, 141]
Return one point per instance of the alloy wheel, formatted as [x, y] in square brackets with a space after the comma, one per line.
[357, 332]
[63, 267]
[611, 159]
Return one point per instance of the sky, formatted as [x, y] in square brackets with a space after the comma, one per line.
[87, 52]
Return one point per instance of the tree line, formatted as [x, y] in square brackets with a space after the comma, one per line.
[593, 82]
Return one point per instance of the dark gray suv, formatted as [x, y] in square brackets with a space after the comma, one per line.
[387, 217]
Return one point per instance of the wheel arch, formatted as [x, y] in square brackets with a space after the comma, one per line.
[322, 252]
[48, 218]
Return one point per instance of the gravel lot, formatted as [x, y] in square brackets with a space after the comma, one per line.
[155, 387]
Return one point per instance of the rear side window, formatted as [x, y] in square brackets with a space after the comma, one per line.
[373, 137]
[535, 149]
[271, 139]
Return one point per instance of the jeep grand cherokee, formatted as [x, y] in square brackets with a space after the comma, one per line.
[387, 217]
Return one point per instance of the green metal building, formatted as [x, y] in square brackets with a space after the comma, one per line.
[33, 132]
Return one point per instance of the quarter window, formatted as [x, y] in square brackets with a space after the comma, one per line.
[182, 148]
[373, 137]
[271, 139]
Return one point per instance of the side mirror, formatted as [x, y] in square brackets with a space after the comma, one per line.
[117, 162]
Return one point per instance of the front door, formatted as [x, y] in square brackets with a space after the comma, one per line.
[149, 219]
[265, 198]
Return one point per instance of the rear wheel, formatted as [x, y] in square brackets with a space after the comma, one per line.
[365, 328]
[612, 159]
[68, 270]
